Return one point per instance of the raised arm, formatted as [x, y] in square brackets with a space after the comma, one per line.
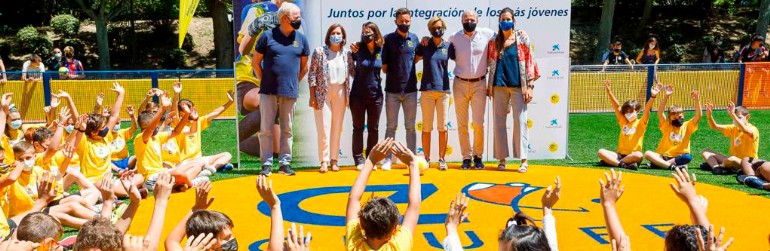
[698, 108]
[70, 104]
[56, 140]
[357, 190]
[5, 102]
[108, 195]
[412, 213]
[648, 105]
[176, 98]
[185, 120]
[610, 193]
[550, 197]
[161, 192]
[710, 117]
[265, 189]
[143, 106]
[202, 202]
[685, 190]
[740, 123]
[98, 104]
[613, 100]
[662, 106]
[132, 117]
[219, 110]
[148, 132]
[454, 218]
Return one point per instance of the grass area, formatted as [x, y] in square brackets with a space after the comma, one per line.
[588, 133]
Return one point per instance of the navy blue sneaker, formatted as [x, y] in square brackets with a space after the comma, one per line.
[705, 166]
[755, 182]
[741, 178]
[227, 167]
[721, 171]
[477, 163]
[466, 164]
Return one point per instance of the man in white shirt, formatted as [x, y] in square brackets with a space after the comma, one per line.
[469, 49]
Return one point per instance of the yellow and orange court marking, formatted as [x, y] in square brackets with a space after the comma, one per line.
[647, 209]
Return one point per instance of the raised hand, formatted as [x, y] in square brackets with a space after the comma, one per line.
[163, 186]
[612, 189]
[100, 98]
[457, 213]
[354, 47]
[381, 150]
[297, 241]
[695, 95]
[165, 101]
[62, 95]
[655, 90]
[713, 244]
[64, 115]
[202, 200]
[685, 187]
[106, 187]
[403, 153]
[265, 189]
[128, 185]
[81, 123]
[607, 84]
[669, 90]
[130, 110]
[709, 109]
[177, 87]
[551, 196]
[624, 244]
[731, 108]
[202, 242]
[55, 102]
[46, 188]
[6, 100]
[135, 243]
[117, 88]
[46, 109]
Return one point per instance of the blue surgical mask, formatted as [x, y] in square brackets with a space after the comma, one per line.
[16, 124]
[69, 128]
[335, 39]
[116, 128]
[506, 25]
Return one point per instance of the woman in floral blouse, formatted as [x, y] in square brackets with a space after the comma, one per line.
[331, 70]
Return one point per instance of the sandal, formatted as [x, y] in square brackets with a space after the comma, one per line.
[501, 167]
[523, 168]
[324, 167]
[335, 167]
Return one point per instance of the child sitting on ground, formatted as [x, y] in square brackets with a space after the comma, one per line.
[630, 141]
[674, 147]
[744, 141]
[379, 217]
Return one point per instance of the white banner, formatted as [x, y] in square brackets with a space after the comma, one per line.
[546, 22]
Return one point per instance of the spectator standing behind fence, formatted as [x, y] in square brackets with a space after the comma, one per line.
[754, 51]
[33, 69]
[713, 52]
[514, 81]
[74, 68]
[618, 56]
[331, 71]
[434, 88]
[53, 63]
[285, 51]
[650, 54]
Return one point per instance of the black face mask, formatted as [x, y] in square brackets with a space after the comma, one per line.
[403, 28]
[103, 133]
[231, 245]
[296, 24]
[437, 33]
[367, 38]
[617, 50]
[469, 27]
[677, 122]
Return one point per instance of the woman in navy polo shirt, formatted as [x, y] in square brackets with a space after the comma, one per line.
[366, 93]
[434, 88]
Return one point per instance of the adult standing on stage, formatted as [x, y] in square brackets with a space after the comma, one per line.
[366, 92]
[434, 88]
[285, 52]
[469, 49]
[514, 77]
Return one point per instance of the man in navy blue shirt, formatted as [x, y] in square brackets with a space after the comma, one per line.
[398, 60]
[284, 51]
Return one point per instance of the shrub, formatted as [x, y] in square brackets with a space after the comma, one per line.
[30, 40]
[65, 25]
[26, 34]
[175, 59]
[674, 54]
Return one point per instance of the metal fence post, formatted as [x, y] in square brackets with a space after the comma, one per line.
[741, 84]
[650, 80]
[47, 88]
[154, 76]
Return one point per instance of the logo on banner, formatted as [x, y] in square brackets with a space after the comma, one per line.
[555, 98]
[449, 150]
[529, 123]
[553, 147]
[530, 149]
[553, 123]
[555, 50]
[555, 74]
[418, 127]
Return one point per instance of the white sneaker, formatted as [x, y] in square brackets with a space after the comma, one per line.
[199, 180]
[359, 167]
[386, 165]
[204, 173]
[210, 168]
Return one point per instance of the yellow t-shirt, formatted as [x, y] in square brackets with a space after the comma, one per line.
[171, 150]
[118, 143]
[50, 166]
[23, 192]
[402, 240]
[7, 150]
[94, 158]
[4, 228]
[191, 145]
[631, 136]
[741, 144]
[149, 158]
[675, 141]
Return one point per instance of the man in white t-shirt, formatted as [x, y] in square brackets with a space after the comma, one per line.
[33, 69]
[469, 49]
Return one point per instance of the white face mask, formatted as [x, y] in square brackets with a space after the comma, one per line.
[652, 46]
[69, 128]
[28, 164]
[741, 119]
[631, 116]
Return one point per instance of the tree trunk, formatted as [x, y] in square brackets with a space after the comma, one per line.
[223, 33]
[103, 42]
[605, 28]
[764, 17]
[645, 17]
